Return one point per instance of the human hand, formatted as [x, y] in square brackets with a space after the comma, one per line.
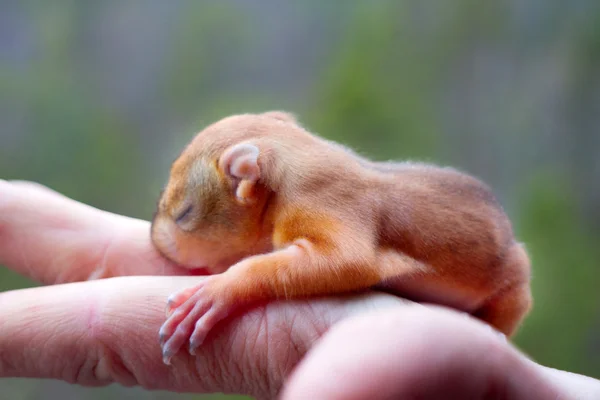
[104, 331]
[428, 352]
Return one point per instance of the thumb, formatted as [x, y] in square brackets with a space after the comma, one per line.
[419, 352]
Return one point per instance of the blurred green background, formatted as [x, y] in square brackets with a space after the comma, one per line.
[98, 97]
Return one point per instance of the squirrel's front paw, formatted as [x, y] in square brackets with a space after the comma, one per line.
[191, 314]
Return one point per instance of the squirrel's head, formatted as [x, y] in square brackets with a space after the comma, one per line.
[213, 208]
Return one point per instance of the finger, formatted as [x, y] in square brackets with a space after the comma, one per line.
[417, 353]
[104, 331]
[91, 333]
[54, 239]
[573, 386]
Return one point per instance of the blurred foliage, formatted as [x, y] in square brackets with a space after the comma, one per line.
[559, 329]
[97, 98]
[357, 98]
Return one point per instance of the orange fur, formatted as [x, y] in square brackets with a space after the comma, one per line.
[323, 220]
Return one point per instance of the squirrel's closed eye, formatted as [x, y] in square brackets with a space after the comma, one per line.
[183, 214]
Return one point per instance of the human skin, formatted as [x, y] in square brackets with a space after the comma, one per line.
[101, 331]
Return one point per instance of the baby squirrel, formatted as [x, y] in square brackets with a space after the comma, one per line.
[274, 211]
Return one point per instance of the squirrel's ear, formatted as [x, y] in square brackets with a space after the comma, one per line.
[282, 116]
[241, 161]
